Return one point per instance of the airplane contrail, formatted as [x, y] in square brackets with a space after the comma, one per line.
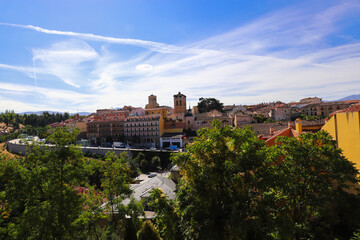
[154, 46]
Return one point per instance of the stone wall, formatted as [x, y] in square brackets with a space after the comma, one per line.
[14, 146]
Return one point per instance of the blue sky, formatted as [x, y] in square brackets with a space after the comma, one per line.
[84, 55]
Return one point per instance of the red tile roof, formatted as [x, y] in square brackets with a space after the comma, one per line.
[289, 132]
[352, 101]
[353, 108]
[281, 105]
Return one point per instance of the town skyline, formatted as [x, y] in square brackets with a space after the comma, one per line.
[53, 59]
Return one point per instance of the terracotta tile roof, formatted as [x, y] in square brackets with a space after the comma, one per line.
[264, 128]
[352, 101]
[170, 125]
[289, 132]
[281, 105]
[142, 118]
[306, 123]
[353, 108]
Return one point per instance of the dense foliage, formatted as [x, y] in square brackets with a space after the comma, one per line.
[312, 118]
[261, 118]
[4, 138]
[49, 193]
[217, 195]
[209, 104]
[232, 187]
[35, 120]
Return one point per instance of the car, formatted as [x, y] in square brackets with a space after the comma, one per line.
[152, 175]
[152, 148]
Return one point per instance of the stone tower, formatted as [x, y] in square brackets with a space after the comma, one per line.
[179, 103]
[152, 102]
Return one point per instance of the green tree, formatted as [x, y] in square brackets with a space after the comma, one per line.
[144, 165]
[88, 223]
[306, 177]
[356, 235]
[116, 187]
[216, 197]
[260, 118]
[12, 189]
[156, 162]
[47, 203]
[148, 232]
[209, 104]
[141, 161]
[167, 220]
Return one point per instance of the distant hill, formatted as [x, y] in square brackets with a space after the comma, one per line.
[51, 112]
[82, 113]
[352, 97]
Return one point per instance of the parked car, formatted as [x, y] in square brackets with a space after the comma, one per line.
[119, 144]
[152, 175]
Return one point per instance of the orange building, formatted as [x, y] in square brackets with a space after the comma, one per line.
[179, 105]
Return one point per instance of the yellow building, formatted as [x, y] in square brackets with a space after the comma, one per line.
[160, 111]
[344, 127]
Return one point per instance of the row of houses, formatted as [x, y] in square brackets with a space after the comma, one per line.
[313, 106]
[163, 126]
[343, 126]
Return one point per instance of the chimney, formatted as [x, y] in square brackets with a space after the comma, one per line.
[289, 124]
[298, 125]
[271, 130]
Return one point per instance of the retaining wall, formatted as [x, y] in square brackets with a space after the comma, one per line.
[14, 146]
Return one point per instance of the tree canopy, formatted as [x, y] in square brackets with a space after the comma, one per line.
[209, 104]
[48, 195]
[39, 191]
[305, 178]
[217, 192]
[234, 187]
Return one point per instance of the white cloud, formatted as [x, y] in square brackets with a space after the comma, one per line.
[63, 60]
[281, 56]
[144, 67]
[153, 46]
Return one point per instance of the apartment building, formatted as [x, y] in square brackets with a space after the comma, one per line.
[144, 131]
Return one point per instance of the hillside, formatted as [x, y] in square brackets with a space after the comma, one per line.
[351, 97]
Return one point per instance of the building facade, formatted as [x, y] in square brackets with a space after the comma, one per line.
[111, 114]
[324, 108]
[144, 131]
[205, 119]
[179, 105]
[344, 127]
[103, 132]
[152, 102]
[281, 112]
